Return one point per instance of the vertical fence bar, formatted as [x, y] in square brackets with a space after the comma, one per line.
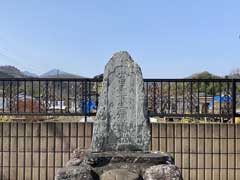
[197, 132]
[212, 136]
[39, 150]
[17, 96]
[10, 151]
[191, 98]
[75, 96]
[31, 150]
[227, 151]
[166, 135]
[183, 94]
[62, 136]
[181, 152]
[233, 100]
[24, 150]
[32, 96]
[39, 96]
[161, 96]
[54, 148]
[169, 97]
[25, 91]
[89, 95]
[85, 114]
[54, 96]
[220, 150]
[3, 91]
[68, 96]
[198, 98]
[46, 98]
[151, 140]
[213, 100]
[77, 135]
[220, 104]
[235, 152]
[10, 97]
[154, 97]
[46, 165]
[176, 97]
[228, 95]
[189, 151]
[69, 140]
[82, 97]
[204, 151]
[16, 151]
[61, 95]
[174, 142]
[147, 98]
[205, 104]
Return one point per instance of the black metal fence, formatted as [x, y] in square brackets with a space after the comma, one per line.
[172, 98]
[198, 98]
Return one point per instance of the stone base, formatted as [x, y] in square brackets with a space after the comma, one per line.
[132, 165]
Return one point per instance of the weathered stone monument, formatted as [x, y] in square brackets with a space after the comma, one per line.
[121, 135]
[122, 123]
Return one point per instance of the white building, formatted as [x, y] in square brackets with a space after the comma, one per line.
[57, 105]
[3, 105]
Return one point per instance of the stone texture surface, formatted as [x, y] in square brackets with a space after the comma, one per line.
[83, 172]
[137, 162]
[122, 123]
[74, 162]
[163, 172]
[154, 158]
[119, 174]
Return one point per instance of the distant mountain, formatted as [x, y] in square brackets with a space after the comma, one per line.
[11, 72]
[52, 72]
[56, 73]
[30, 74]
[204, 75]
[5, 75]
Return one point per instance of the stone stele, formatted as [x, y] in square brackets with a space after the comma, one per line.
[121, 135]
[122, 123]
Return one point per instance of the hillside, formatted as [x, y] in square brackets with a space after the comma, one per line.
[204, 75]
[30, 74]
[56, 73]
[11, 72]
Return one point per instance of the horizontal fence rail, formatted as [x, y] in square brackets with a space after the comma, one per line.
[172, 98]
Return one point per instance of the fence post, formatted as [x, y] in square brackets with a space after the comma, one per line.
[233, 100]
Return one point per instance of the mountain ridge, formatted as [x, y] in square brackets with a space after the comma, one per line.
[8, 71]
[56, 73]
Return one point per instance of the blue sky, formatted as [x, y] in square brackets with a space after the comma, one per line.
[168, 38]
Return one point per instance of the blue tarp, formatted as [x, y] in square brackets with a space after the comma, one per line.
[222, 99]
[90, 105]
